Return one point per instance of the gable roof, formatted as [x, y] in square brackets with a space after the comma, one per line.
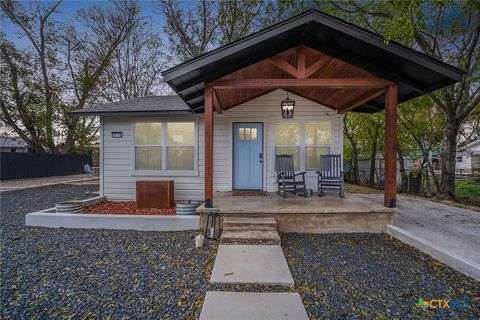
[470, 145]
[151, 105]
[415, 73]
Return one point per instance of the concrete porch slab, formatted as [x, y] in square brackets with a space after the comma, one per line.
[263, 264]
[252, 306]
[327, 214]
[292, 204]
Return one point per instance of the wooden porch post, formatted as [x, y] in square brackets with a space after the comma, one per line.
[390, 190]
[208, 146]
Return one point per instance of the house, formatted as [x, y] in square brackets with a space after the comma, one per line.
[468, 157]
[223, 128]
[12, 144]
[364, 166]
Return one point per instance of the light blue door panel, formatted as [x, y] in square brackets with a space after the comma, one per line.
[247, 156]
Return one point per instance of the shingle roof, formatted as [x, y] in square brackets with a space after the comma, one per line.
[162, 105]
[12, 142]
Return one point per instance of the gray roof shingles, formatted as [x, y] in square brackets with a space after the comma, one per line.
[161, 105]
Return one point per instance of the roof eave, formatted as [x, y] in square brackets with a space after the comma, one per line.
[81, 113]
[393, 47]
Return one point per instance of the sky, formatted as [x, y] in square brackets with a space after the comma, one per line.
[68, 9]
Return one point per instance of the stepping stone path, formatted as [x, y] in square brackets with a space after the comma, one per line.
[259, 264]
[252, 305]
[251, 263]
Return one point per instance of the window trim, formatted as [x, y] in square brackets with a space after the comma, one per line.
[164, 171]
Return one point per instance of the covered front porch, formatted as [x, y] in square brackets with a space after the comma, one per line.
[326, 214]
[340, 67]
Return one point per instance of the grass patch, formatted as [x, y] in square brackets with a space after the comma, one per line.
[467, 188]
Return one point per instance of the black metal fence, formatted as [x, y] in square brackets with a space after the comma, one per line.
[35, 165]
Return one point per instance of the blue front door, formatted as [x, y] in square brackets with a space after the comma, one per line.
[247, 156]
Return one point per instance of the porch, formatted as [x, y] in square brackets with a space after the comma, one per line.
[340, 67]
[327, 214]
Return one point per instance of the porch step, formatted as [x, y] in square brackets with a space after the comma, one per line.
[249, 224]
[266, 237]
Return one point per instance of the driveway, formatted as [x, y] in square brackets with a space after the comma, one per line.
[454, 229]
[20, 184]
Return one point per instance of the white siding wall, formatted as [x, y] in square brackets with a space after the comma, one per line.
[118, 176]
[266, 109]
[118, 163]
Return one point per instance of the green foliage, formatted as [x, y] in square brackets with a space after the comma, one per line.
[467, 188]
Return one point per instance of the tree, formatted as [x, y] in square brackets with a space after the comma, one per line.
[36, 97]
[446, 30]
[238, 18]
[136, 65]
[191, 31]
[36, 24]
[424, 125]
[351, 130]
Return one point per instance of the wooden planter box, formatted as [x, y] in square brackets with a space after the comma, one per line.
[155, 194]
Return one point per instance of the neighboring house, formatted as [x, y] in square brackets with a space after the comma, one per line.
[364, 165]
[468, 157]
[12, 144]
[222, 131]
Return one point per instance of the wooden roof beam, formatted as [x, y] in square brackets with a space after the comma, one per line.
[216, 103]
[314, 67]
[359, 101]
[301, 62]
[284, 66]
[332, 83]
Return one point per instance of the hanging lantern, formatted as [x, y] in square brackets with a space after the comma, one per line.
[287, 106]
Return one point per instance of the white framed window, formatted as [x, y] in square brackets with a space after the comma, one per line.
[165, 146]
[317, 143]
[306, 142]
[287, 141]
[148, 145]
[180, 145]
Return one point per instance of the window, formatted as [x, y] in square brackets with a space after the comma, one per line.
[287, 141]
[148, 146]
[180, 145]
[306, 142]
[164, 146]
[317, 143]
[459, 159]
[247, 134]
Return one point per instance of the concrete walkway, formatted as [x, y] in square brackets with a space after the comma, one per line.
[253, 305]
[455, 229]
[252, 264]
[262, 264]
[20, 184]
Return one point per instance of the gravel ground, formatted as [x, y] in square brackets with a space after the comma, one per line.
[87, 274]
[16, 203]
[373, 276]
[58, 273]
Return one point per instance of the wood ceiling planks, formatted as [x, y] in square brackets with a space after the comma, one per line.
[329, 67]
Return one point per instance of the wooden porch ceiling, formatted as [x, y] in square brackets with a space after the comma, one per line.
[305, 64]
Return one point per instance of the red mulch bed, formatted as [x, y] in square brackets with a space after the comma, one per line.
[125, 207]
